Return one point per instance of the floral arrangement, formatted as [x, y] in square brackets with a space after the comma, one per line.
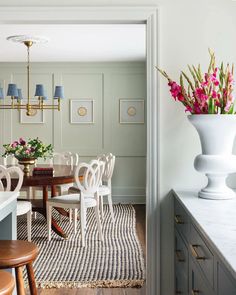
[34, 148]
[210, 93]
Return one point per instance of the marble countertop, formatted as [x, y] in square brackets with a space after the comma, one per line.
[6, 198]
[217, 222]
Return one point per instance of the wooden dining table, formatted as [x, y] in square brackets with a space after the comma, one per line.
[63, 174]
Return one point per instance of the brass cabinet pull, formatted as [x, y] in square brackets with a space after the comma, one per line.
[179, 256]
[195, 292]
[195, 254]
[178, 219]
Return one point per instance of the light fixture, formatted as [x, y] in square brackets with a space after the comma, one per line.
[16, 94]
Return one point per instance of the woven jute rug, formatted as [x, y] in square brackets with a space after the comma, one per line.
[117, 262]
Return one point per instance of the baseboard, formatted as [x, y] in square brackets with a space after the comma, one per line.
[128, 199]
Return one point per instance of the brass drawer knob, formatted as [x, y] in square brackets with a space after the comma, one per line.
[178, 219]
[195, 253]
[195, 292]
[179, 256]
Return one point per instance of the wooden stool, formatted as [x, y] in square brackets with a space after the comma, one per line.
[15, 254]
[7, 283]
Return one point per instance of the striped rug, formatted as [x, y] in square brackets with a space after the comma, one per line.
[117, 262]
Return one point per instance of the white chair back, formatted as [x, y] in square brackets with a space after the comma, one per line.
[92, 174]
[10, 160]
[5, 173]
[109, 160]
[65, 158]
[61, 159]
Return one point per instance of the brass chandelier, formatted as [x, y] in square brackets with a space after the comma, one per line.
[16, 93]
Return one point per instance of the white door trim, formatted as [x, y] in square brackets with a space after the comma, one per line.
[148, 15]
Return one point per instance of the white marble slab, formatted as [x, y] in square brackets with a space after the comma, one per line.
[6, 198]
[217, 222]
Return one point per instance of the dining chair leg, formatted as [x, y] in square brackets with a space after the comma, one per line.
[49, 221]
[111, 207]
[29, 222]
[101, 207]
[82, 224]
[31, 279]
[75, 220]
[96, 208]
[19, 281]
[70, 215]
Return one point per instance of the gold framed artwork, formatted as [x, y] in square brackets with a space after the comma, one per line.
[81, 111]
[131, 111]
[36, 116]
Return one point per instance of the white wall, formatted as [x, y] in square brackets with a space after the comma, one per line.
[187, 29]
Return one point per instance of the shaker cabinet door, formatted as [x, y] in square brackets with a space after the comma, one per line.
[226, 285]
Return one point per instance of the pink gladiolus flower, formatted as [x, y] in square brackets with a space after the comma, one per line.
[188, 109]
[206, 82]
[199, 92]
[175, 89]
[197, 109]
[215, 72]
[231, 79]
[228, 105]
[214, 80]
[214, 94]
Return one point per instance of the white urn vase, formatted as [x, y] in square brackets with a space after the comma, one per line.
[217, 133]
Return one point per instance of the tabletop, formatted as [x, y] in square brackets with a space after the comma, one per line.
[62, 174]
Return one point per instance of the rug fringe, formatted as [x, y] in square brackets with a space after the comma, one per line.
[94, 284]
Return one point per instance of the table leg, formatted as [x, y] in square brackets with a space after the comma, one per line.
[55, 227]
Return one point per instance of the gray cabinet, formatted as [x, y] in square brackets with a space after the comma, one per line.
[198, 269]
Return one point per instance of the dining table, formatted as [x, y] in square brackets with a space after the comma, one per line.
[62, 174]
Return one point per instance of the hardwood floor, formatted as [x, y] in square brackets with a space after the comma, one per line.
[141, 232]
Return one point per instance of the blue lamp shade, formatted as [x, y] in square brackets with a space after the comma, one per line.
[59, 92]
[19, 96]
[39, 91]
[1, 93]
[12, 90]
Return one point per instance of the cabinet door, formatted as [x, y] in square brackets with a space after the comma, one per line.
[181, 283]
[226, 284]
[181, 254]
[197, 283]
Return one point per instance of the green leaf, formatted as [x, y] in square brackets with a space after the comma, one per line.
[211, 106]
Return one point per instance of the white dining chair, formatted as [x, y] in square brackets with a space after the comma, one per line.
[10, 160]
[86, 198]
[23, 207]
[105, 188]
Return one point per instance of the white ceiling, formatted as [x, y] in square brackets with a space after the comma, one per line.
[83, 43]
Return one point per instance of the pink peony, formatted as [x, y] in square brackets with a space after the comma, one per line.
[15, 144]
[28, 151]
[22, 141]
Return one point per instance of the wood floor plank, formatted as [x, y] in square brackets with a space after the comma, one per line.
[113, 291]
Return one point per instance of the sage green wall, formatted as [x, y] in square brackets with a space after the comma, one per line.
[106, 83]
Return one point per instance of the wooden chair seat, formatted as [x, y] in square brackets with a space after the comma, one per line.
[15, 254]
[7, 283]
